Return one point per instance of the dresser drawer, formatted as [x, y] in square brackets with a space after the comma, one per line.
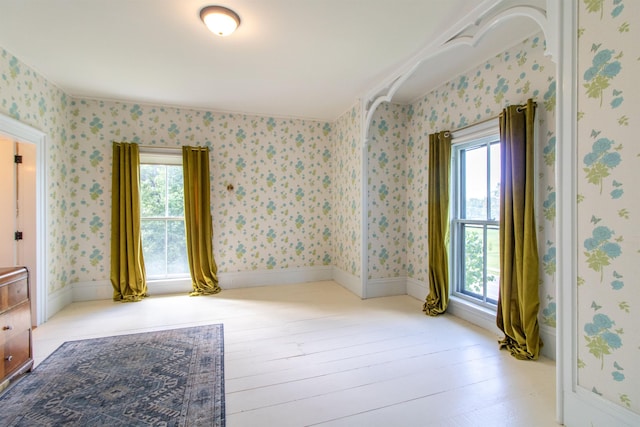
[14, 289]
[15, 353]
[14, 322]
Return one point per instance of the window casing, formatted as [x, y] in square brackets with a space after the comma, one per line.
[162, 215]
[475, 214]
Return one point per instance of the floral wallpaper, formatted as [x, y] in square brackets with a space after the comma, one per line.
[297, 197]
[608, 207]
[278, 215]
[387, 192]
[297, 183]
[347, 207]
[29, 98]
[398, 159]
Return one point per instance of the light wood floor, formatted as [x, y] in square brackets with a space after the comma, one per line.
[315, 354]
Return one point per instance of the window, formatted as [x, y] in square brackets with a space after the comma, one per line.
[475, 226]
[162, 216]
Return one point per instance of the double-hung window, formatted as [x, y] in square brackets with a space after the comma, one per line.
[475, 214]
[162, 215]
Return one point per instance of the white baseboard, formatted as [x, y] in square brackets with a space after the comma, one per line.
[248, 279]
[386, 287]
[484, 318]
[94, 290]
[162, 287]
[548, 336]
[58, 300]
[417, 289]
[348, 281]
[585, 408]
[102, 289]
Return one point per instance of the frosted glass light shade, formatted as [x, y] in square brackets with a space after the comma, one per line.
[220, 20]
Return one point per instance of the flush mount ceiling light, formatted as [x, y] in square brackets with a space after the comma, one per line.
[220, 20]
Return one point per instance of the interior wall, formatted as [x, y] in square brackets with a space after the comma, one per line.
[277, 216]
[608, 162]
[347, 205]
[387, 193]
[7, 214]
[294, 200]
[511, 77]
[28, 97]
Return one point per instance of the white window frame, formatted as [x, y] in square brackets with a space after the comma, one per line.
[169, 157]
[484, 132]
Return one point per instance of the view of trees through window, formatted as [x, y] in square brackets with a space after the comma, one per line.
[475, 220]
[474, 262]
[162, 221]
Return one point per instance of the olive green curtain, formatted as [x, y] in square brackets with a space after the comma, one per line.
[127, 263]
[197, 215]
[518, 300]
[438, 223]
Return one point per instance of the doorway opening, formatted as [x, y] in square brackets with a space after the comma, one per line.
[22, 222]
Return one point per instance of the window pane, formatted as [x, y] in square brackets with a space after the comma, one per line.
[493, 263]
[175, 189]
[475, 183]
[494, 181]
[162, 221]
[152, 190]
[153, 247]
[176, 254]
[475, 246]
[473, 268]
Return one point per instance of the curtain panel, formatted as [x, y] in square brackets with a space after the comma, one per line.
[198, 221]
[127, 263]
[438, 223]
[518, 300]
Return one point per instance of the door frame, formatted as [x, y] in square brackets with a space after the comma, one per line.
[26, 134]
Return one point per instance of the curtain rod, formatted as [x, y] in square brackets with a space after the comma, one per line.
[475, 124]
[520, 109]
[153, 148]
[157, 148]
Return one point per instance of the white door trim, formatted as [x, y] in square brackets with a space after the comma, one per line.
[25, 133]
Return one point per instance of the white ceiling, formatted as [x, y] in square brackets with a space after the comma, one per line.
[292, 58]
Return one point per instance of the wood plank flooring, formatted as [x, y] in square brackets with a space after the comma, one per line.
[313, 354]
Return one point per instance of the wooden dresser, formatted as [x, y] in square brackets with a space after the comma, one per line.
[16, 352]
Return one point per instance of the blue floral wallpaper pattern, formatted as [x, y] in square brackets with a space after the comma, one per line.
[608, 207]
[297, 183]
[311, 198]
[347, 208]
[387, 192]
[278, 215]
[398, 159]
[29, 98]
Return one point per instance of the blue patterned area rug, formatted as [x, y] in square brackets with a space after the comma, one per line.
[163, 378]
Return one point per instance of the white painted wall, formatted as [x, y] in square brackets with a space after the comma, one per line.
[7, 198]
[18, 213]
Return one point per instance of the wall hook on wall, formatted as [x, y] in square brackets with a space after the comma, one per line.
[229, 187]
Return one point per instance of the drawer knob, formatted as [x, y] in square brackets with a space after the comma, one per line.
[7, 328]
[8, 358]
